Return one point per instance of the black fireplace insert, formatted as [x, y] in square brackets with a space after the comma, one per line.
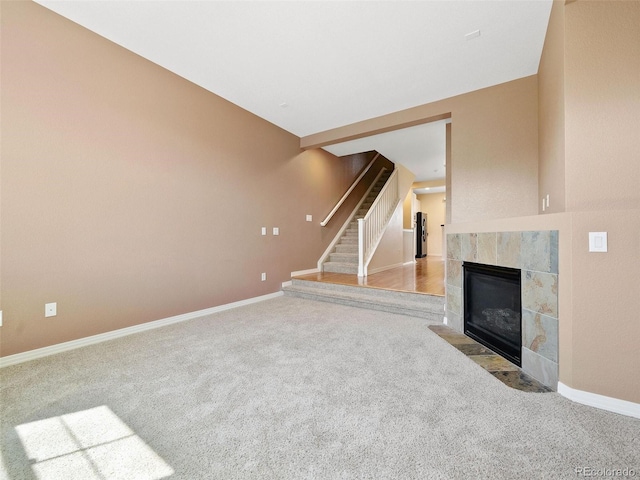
[492, 308]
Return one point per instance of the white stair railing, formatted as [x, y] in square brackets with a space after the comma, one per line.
[372, 226]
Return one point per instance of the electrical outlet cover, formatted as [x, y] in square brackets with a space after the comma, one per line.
[50, 309]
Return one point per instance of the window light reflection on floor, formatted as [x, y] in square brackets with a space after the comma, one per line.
[87, 445]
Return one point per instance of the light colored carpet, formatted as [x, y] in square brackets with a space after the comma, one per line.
[293, 388]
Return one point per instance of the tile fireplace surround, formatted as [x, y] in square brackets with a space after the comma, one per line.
[535, 253]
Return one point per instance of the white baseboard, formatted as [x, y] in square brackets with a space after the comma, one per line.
[103, 337]
[298, 273]
[305, 272]
[602, 402]
[382, 269]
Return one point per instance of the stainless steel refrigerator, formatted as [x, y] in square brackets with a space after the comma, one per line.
[421, 235]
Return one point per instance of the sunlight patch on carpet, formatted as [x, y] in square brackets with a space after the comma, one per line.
[89, 444]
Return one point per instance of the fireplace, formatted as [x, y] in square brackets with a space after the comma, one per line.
[492, 308]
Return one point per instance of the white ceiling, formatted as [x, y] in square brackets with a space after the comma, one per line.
[309, 66]
[421, 148]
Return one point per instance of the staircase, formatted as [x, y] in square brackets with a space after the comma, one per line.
[421, 305]
[344, 258]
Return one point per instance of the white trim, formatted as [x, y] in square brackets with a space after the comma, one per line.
[382, 269]
[410, 262]
[305, 272]
[602, 402]
[298, 273]
[122, 332]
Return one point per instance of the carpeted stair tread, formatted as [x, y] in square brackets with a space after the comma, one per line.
[429, 307]
[346, 248]
[346, 257]
[353, 240]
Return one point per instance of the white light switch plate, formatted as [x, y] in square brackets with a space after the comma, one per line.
[264, 230]
[597, 241]
[276, 231]
[309, 218]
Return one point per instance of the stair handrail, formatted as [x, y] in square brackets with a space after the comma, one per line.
[371, 227]
[344, 197]
[349, 219]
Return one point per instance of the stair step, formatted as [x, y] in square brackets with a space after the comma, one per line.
[347, 248]
[349, 240]
[340, 267]
[344, 257]
[429, 307]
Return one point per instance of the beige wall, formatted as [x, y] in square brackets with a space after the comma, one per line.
[130, 195]
[434, 205]
[588, 154]
[494, 147]
[407, 210]
[605, 305]
[602, 115]
[390, 251]
[551, 179]
[602, 97]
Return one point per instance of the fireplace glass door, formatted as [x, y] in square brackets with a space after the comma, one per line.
[492, 308]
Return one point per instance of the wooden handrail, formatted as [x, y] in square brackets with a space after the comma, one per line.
[344, 197]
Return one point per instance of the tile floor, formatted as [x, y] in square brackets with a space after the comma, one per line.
[502, 369]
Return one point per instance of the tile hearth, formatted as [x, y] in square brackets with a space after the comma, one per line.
[502, 369]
